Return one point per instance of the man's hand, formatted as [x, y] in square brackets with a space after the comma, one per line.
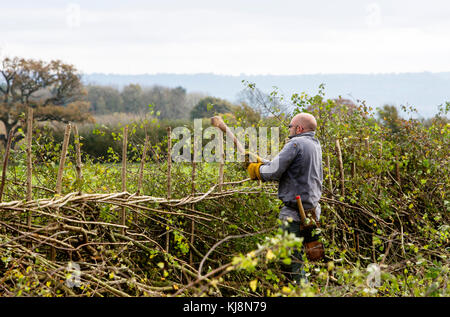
[253, 171]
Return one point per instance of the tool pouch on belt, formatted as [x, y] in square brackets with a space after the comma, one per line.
[313, 247]
[314, 251]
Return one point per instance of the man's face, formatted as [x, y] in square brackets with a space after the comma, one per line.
[294, 129]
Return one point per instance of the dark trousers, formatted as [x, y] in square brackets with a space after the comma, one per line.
[296, 271]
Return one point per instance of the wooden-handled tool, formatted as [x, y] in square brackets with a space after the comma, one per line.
[217, 121]
[314, 248]
[301, 211]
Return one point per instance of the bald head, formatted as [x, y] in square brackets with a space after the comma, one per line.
[306, 120]
[302, 122]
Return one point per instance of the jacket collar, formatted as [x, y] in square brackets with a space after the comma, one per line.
[309, 133]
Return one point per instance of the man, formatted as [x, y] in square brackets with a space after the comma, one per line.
[298, 169]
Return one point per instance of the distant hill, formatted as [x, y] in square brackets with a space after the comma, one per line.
[425, 91]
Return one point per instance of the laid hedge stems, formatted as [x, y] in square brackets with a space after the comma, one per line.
[384, 216]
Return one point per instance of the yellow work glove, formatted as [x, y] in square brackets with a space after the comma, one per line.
[253, 171]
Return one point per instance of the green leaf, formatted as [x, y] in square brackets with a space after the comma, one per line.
[253, 285]
[287, 261]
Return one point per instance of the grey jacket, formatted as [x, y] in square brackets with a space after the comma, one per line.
[298, 169]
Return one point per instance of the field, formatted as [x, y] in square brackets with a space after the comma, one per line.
[186, 232]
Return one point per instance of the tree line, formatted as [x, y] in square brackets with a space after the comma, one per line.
[165, 102]
[56, 93]
[173, 103]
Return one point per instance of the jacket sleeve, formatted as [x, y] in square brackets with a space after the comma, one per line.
[272, 171]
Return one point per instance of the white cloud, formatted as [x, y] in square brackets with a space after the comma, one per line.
[371, 37]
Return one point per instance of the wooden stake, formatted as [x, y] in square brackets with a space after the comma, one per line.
[124, 158]
[353, 170]
[141, 168]
[194, 165]
[192, 221]
[169, 162]
[124, 174]
[366, 141]
[330, 183]
[59, 177]
[29, 160]
[221, 164]
[397, 171]
[169, 179]
[373, 253]
[357, 236]
[62, 160]
[353, 173]
[341, 168]
[5, 162]
[78, 165]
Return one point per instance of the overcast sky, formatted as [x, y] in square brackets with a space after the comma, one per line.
[231, 37]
